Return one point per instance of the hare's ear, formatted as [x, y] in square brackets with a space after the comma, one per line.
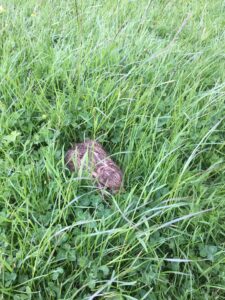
[69, 159]
[68, 155]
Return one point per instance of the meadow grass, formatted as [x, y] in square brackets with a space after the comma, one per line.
[147, 80]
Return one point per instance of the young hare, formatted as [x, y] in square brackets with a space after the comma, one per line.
[92, 158]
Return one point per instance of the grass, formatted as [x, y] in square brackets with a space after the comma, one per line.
[147, 79]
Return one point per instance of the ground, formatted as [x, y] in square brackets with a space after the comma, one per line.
[147, 79]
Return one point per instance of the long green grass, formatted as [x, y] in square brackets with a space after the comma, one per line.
[147, 80]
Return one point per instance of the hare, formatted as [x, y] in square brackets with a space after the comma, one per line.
[92, 158]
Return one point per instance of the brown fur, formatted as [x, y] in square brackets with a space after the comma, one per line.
[91, 157]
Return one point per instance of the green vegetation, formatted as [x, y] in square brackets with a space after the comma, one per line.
[147, 79]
